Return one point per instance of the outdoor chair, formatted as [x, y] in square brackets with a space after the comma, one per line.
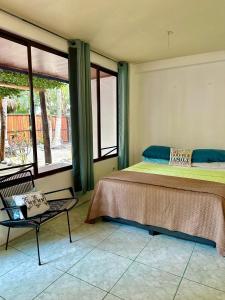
[22, 182]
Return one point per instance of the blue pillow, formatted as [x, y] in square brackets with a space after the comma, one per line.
[208, 155]
[157, 161]
[161, 152]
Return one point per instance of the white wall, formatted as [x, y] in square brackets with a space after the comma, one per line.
[60, 180]
[180, 102]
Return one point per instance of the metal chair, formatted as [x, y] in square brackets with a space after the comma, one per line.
[22, 182]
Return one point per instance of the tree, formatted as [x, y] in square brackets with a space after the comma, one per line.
[58, 123]
[4, 92]
[46, 136]
[11, 84]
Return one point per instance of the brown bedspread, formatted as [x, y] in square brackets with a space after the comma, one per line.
[191, 206]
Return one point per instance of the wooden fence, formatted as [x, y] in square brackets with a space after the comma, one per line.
[21, 125]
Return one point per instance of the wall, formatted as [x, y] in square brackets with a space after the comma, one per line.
[181, 102]
[60, 180]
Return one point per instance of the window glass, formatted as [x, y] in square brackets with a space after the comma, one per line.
[104, 112]
[52, 109]
[15, 122]
[108, 102]
[94, 111]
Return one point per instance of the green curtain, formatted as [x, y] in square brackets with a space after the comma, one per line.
[81, 115]
[123, 117]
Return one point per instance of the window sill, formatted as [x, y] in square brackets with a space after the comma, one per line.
[52, 169]
[105, 157]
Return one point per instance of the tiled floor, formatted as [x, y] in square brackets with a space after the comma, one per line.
[108, 261]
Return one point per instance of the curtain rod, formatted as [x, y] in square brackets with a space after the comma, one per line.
[49, 31]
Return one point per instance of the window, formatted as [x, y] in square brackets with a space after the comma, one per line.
[34, 106]
[104, 112]
[52, 109]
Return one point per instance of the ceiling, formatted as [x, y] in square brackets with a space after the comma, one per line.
[43, 63]
[131, 30]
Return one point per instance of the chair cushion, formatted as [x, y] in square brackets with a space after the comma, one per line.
[35, 202]
[15, 214]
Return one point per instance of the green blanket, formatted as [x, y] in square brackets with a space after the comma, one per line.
[185, 172]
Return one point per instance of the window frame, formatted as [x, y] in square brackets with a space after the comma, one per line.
[29, 44]
[99, 69]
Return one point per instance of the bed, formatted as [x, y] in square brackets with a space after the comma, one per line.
[178, 199]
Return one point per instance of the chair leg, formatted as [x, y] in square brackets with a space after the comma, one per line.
[7, 241]
[38, 250]
[68, 221]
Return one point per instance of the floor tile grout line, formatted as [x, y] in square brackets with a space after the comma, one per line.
[63, 273]
[112, 295]
[155, 268]
[121, 276]
[146, 245]
[18, 264]
[79, 261]
[57, 268]
[96, 246]
[184, 272]
[92, 234]
[105, 296]
[10, 270]
[91, 284]
[48, 286]
[125, 257]
[93, 248]
[204, 285]
[24, 253]
[108, 292]
[133, 259]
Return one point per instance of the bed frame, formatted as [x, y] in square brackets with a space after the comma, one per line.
[153, 230]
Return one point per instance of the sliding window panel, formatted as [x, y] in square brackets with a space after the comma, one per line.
[52, 110]
[108, 104]
[15, 121]
[94, 111]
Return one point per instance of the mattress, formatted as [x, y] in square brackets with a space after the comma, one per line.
[189, 200]
[212, 175]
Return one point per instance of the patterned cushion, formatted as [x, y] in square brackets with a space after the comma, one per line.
[35, 202]
[180, 157]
